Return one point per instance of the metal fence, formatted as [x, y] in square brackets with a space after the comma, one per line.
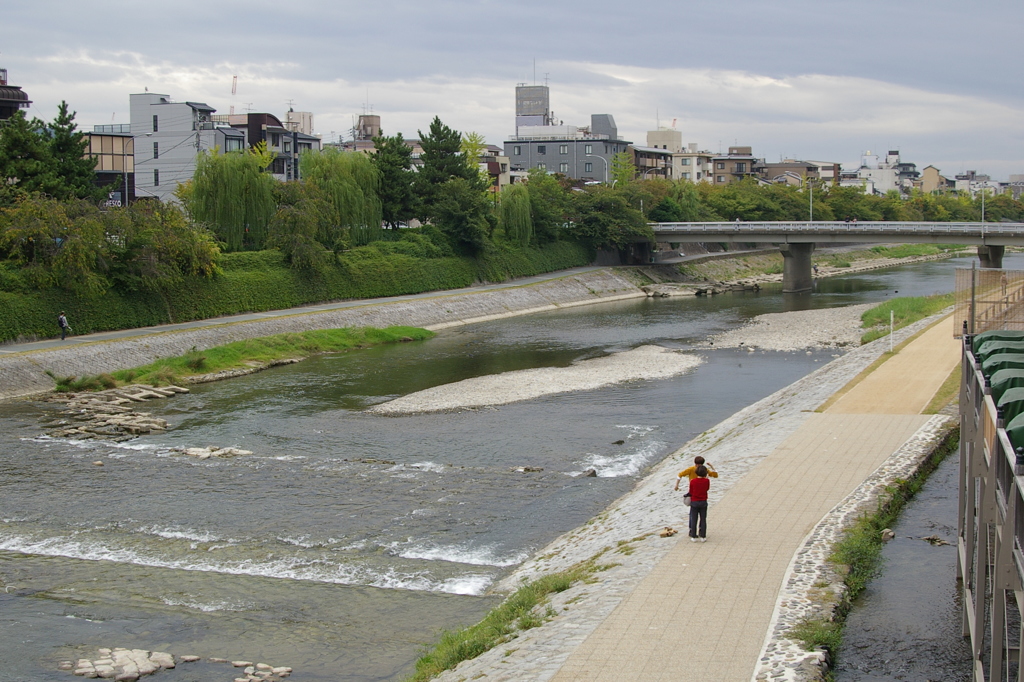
[988, 299]
[990, 533]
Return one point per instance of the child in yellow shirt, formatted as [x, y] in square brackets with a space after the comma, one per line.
[691, 473]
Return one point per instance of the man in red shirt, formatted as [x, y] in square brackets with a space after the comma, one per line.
[699, 487]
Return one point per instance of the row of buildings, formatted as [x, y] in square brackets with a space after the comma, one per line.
[157, 150]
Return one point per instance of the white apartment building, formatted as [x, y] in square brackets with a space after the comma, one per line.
[168, 137]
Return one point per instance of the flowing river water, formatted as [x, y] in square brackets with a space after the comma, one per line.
[348, 540]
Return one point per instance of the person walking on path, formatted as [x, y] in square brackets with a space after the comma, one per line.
[62, 322]
[699, 504]
[691, 472]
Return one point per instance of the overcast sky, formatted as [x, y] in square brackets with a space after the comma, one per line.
[821, 80]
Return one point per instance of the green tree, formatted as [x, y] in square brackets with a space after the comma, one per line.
[56, 243]
[667, 211]
[233, 196]
[684, 194]
[602, 218]
[514, 214]
[442, 161]
[622, 169]
[294, 230]
[26, 160]
[153, 245]
[349, 183]
[463, 214]
[549, 204]
[75, 170]
[393, 159]
[472, 148]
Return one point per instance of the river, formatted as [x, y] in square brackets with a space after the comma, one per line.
[348, 540]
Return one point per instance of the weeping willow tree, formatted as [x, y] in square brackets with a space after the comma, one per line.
[349, 182]
[514, 214]
[234, 197]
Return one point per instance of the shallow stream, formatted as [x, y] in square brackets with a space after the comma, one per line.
[348, 540]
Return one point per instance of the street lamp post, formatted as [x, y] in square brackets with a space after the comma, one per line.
[810, 190]
[592, 156]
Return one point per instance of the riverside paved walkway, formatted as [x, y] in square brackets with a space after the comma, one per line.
[704, 610]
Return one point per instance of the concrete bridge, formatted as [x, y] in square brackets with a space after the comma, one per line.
[796, 239]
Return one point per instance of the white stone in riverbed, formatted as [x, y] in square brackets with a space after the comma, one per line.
[162, 659]
[89, 672]
[264, 666]
[189, 658]
[281, 669]
[241, 664]
[645, 362]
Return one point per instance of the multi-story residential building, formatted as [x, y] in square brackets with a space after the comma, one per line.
[113, 147]
[934, 181]
[739, 163]
[285, 141]
[974, 183]
[652, 162]
[888, 175]
[583, 153]
[687, 163]
[789, 172]
[12, 97]
[496, 164]
[168, 136]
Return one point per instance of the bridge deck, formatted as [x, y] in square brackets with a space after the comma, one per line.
[988, 234]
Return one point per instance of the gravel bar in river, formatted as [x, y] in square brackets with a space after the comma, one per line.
[645, 362]
[796, 330]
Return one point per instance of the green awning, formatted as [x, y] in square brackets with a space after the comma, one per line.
[1011, 403]
[996, 335]
[993, 346]
[1004, 380]
[998, 361]
[1015, 432]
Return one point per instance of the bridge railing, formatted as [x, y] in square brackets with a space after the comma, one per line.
[990, 533]
[840, 227]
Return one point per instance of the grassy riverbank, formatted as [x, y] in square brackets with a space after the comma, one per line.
[247, 355]
[524, 609]
[256, 281]
[857, 556]
[904, 311]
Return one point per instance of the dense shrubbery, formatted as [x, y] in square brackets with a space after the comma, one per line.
[262, 280]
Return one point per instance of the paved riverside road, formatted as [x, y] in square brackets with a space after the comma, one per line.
[704, 610]
[248, 317]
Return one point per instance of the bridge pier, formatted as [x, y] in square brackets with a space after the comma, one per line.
[796, 267]
[991, 256]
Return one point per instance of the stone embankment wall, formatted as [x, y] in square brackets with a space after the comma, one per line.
[23, 374]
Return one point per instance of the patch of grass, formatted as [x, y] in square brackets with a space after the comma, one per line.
[520, 611]
[906, 311]
[949, 391]
[263, 351]
[74, 384]
[908, 250]
[816, 633]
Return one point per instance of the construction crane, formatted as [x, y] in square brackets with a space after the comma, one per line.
[234, 91]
